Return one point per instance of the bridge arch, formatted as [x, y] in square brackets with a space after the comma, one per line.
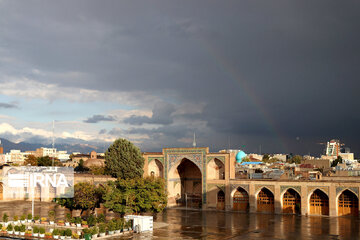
[265, 201]
[291, 201]
[318, 203]
[347, 203]
[240, 199]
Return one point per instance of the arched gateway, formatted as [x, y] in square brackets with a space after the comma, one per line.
[241, 200]
[348, 204]
[291, 202]
[319, 203]
[265, 201]
[185, 184]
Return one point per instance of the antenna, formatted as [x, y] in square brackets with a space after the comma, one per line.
[53, 141]
[53, 133]
[194, 142]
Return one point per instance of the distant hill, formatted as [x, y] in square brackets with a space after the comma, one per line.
[24, 146]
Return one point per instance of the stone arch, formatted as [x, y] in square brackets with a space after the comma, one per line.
[215, 169]
[291, 201]
[220, 200]
[240, 199]
[265, 201]
[347, 203]
[185, 184]
[156, 168]
[318, 202]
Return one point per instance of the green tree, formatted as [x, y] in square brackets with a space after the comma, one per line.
[124, 160]
[271, 160]
[31, 160]
[336, 161]
[86, 196]
[265, 158]
[47, 161]
[136, 195]
[296, 159]
[80, 167]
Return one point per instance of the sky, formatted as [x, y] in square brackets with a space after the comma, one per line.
[270, 76]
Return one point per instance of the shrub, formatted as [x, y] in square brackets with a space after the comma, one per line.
[84, 222]
[42, 230]
[62, 232]
[29, 216]
[17, 228]
[56, 232]
[22, 228]
[9, 227]
[78, 220]
[68, 232]
[16, 218]
[36, 229]
[51, 215]
[101, 218]
[75, 235]
[36, 218]
[86, 230]
[68, 217]
[5, 217]
[94, 230]
[91, 220]
[102, 227]
[23, 217]
[111, 226]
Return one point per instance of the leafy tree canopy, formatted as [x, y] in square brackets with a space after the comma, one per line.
[41, 161]
[136, 195]
[336, 161]
[31, 160]
[86, 196]
[296, 159]
[124, 160]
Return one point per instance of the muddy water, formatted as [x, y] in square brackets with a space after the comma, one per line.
[190, 224]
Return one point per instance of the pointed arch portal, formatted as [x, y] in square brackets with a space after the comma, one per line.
[265, 201]
[348, 204]
[241, 200]
[319, 203]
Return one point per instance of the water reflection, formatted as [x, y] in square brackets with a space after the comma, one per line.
[190, 224]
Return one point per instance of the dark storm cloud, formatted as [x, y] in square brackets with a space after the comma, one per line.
[102, 131]
[116, 132]
[264, 68]
[100, 118]
[161, 114]
[8, 105]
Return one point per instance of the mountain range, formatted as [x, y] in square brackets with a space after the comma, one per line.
[75, 147]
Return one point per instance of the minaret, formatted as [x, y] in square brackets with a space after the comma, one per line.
[194, 142]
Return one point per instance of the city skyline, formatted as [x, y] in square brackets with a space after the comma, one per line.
[240, 75]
